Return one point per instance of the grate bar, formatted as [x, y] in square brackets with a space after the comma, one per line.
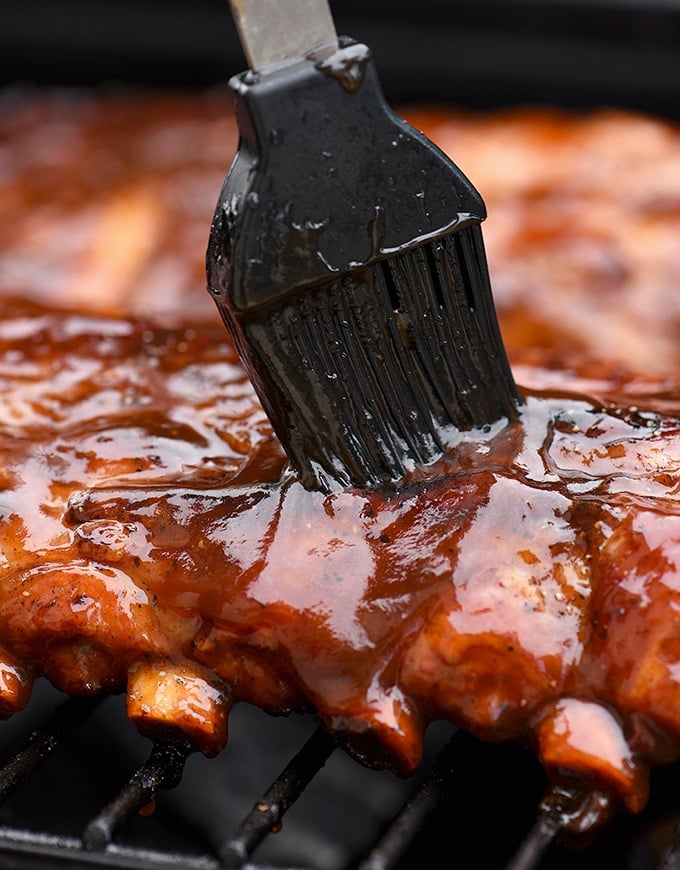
[535, 845]
[65, 719]
[163, 769]
[671, 859]
[28, 850]
[415, 811]
[284, 791]
[559, 807]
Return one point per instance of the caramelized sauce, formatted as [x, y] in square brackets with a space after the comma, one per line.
[525, 586]
[150, 517]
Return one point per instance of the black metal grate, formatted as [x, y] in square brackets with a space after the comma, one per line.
[470, 799]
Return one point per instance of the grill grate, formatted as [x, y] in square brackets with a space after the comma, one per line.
[163, 770]
[460, 797]
[268, 812]
[65, 720]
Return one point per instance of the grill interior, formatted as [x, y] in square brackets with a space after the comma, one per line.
[478, 53]
[81, 788]
[82, 777]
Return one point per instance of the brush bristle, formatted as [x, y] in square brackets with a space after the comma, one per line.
[364, 376]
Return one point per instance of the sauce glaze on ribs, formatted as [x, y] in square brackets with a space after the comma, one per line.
[154, 538]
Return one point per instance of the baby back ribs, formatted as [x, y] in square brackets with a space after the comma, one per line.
[155, 539]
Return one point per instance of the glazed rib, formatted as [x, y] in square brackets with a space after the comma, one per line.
[154, 538]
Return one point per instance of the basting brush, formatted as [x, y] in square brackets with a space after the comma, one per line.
[347, 261]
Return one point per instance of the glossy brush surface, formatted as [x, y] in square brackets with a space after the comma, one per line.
[379, 371]
[346, 260]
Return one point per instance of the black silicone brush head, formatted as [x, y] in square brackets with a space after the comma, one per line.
[346, 259]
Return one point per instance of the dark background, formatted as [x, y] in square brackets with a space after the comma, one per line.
[478, 53]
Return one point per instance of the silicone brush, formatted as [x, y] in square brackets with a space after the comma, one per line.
[347, 261]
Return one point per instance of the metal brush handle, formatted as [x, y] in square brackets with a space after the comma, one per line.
[276, 32]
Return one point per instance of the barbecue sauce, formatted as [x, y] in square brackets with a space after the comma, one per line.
[523, 586]
[154, 537]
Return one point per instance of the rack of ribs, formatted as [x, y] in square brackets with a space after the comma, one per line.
[154, 538]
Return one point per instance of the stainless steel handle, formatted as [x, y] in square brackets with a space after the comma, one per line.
[276, 32]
